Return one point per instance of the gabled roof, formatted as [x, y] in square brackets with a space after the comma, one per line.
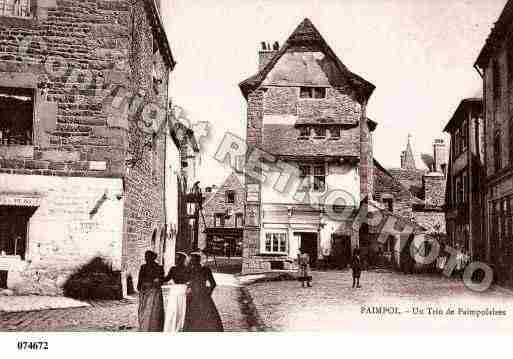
[307, 34]
[473, 103]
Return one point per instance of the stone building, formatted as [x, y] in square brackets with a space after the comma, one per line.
[495, 65]
[466, 179]
[427, 187]
[81, 182]
[222, 222]
[306, 109]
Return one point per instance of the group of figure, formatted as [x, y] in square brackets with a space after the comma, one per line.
[189, 307]
[304, 268]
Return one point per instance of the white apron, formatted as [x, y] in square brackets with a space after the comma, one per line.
[174, 307]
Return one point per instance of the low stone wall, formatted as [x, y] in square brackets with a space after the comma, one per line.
[262, 264]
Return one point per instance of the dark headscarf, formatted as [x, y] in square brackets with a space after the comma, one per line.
[150, 256]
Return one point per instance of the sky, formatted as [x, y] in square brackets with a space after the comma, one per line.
[418, 53]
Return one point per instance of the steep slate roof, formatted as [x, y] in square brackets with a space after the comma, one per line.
[306, 33]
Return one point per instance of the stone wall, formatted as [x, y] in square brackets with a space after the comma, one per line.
[64, 233]
[216, 203]
[434, 190]
[144, 210]
[85, 41]
[77, 133]
[387, 186]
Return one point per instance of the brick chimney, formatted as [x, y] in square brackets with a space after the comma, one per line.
[439, 155]
[434, 189]
[266, 54]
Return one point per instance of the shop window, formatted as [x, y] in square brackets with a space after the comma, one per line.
[230, 196]
[312, 92]
[13, 231]
[276, 242]
[15, 8]
[16, 116]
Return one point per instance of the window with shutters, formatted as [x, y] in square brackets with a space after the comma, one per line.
[15, 8]
[16, 116]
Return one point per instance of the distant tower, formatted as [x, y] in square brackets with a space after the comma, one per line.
[440, 155]
[407, 159]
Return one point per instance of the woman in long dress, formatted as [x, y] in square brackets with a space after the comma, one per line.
[151, 302]
[174, 318]
[202, 314]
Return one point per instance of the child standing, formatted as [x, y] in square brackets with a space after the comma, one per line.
[304, 268]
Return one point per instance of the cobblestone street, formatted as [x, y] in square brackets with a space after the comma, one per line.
[120, 315]
[333, 305]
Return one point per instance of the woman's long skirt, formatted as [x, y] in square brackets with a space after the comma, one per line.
[176, 304]
[151, 310]
[202, 314]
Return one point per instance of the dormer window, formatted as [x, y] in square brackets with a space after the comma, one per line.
[15, 8]
[335, 133]
[304, 132]
[312, 92]
[320, 132]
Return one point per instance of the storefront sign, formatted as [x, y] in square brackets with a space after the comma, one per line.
[19, 200]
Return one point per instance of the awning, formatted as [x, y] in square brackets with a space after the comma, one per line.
[20, 199]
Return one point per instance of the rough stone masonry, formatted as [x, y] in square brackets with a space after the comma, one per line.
[94, 180]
